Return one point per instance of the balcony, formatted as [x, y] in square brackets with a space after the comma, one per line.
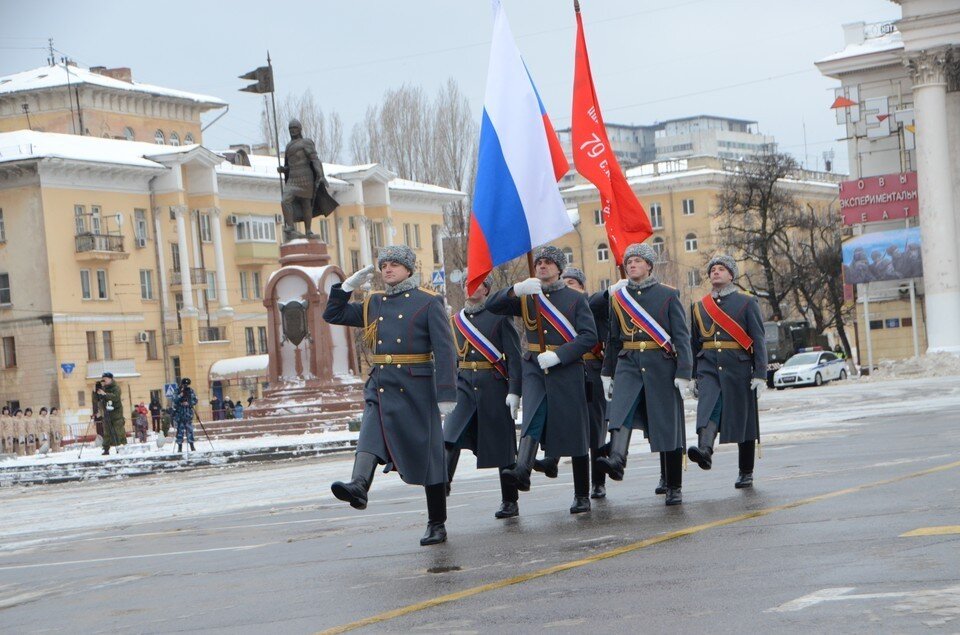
[198, 277]
[119, 367]
[95, 246]
[173, 337]
[212, 334]
[256, 253]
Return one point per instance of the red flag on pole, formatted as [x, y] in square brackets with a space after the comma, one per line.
[626, 220]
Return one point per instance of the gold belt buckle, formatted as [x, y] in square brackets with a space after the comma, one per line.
[643, 345]
[474, 365]
[389, 359]
[717, 342]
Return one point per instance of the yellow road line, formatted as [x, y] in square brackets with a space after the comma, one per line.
[944, 530]
[619, 551]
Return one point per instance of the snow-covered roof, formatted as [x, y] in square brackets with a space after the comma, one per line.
[425, 188]
[29, 144]
[884, 43]
[249, 366]
[56, 76]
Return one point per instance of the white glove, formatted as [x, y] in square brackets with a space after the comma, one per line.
[694, 389]
[446, 407]
[513, 402]
[530, 286]
[548, 359]
[616, 286]
[358, 279]
[683, 385]
[758, 386]
[607, 387]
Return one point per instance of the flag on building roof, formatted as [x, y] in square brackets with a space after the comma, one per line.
[516, 202]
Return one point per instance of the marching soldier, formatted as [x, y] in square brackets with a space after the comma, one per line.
[411, 384]
[488, 394]
[596, 404]
[554, 397]
[646, 369]
[730, 366]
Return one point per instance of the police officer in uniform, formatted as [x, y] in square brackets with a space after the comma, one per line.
[554, 395]
[488, 394]
[411, 384]
[730, 366]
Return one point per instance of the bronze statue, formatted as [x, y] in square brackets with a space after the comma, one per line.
[305, 195]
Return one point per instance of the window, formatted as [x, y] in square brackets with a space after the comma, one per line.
[693, 278]
[211, 289]
[4, 288]
[146, 284]
[95, 219]
[175, 253]
[261, 229]
[603, 252]
[688, 207]
[174, 139]
[257, 287]
[81, 398]
[92, 346]
[262, 336]
[376, 235]
[140, 223]
[598, 217]
[175, 362]
[604, 283]
[436, 239]
[80, 218]
[658, 247]
[568, 252]
[416, 237]
[408, 234]
[107, 344]
[354, 260]
[251, 343]
[351, 222]
[656, 216]
[205, 228]
[244, 286]
[9, 352]
[152, 345]
[188, 140]
[324, 230]
[876, 325]
[158, 138]
[690, 242]
[85, 284]
[3, 229]
[102, 293]
[128, 134]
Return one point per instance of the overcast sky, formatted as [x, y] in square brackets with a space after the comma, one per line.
[652, 59]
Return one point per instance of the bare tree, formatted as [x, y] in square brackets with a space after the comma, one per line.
[325, 129]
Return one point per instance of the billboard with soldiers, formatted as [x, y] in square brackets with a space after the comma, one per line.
[886, 255]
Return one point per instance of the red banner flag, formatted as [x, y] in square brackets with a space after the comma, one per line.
[626, 220]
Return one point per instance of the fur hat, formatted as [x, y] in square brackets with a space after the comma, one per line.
[107, 374]
[643, 250]
[575, 274]
[553, 254]
[400, 254]
[726, 261]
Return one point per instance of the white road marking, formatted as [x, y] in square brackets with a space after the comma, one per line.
[840, 594]
[134, 557]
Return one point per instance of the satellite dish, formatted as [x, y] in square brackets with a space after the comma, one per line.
[456, 276]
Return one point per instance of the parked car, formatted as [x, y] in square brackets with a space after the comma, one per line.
[810, 368]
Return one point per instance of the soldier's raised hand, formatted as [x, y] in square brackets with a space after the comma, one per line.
[358, 279]
[530, 286]
[616, 286]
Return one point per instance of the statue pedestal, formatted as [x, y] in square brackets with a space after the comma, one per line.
[313, 370]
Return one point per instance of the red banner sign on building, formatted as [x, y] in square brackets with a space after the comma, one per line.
[879, 198]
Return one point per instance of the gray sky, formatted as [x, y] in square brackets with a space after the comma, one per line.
[652, 59]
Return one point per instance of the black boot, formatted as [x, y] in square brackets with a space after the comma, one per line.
[192, 449]
[702, 453]
[453, 457]
[673, 466]
[662, 485]
[180, 448]
[508, 494]
[581, 484]
[519, 474]
[436, 515]
[597, 477]
[616, 462]
[355, 491]
[745, 479]
[548, 466]
[106, 452]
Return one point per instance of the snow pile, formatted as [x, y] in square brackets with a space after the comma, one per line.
[930, 365]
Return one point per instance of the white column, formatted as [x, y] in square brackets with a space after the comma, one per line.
[186, 285]
[218, 254]
[938, 226]
[338, 223]
[161, 256]
[365, 257]
[389, 230]
[197, 246]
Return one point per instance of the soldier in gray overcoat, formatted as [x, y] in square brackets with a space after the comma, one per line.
[554, 394]
[411, 384]
[647, 368]
[488, 394]
[730, 375]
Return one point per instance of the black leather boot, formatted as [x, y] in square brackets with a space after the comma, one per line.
[547, 466]
[453, 457]
[746, 458]
[744, 480]
[519, 474]
[673, 468]
[192, 449]
[581, 484]
[436, 515]
[598, 477]
[508, 494]
[355, 491]
[106, 452]
[616, 462]
[662, 485]
[179, 448]
[702, 453]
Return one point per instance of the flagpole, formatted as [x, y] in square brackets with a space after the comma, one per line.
[543, 346]
[276, 130]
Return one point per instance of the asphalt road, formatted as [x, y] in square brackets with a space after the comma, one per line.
[817, 545]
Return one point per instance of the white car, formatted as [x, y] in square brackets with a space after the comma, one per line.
[813, 368]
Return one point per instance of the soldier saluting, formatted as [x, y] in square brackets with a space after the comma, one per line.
[488, 394]
[414, 368]
[554, 397]
[730, 365]
[305, 194]
[646, 369]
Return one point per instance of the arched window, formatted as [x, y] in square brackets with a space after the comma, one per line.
[690, 242]
[603, 252]
[188, 140]
[174, 139]
[658, 247]
[568, 252]
[158, 138]
[128, 134]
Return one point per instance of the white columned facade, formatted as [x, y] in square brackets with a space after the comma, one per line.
[197, 246]
[365, 257]
[186, 285]
[222, 296]
[161, 257]
[938, 223]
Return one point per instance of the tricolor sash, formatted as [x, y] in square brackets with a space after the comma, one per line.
[556, 319]
[484, 346]
[644, 321]
[727, 323]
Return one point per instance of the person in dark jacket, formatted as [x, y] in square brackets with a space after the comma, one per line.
[412, 382]
[183, 413]
[554, 394]
[488, 394]
[156, 409]
[110, 400]
[730, 366]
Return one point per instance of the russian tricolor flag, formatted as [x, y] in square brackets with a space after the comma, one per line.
[516, 201]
